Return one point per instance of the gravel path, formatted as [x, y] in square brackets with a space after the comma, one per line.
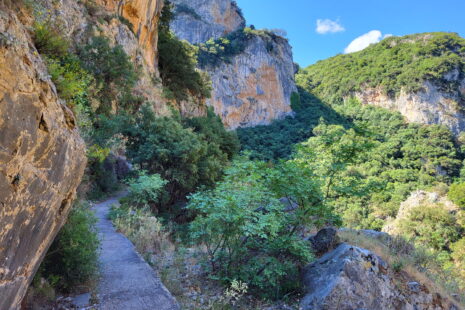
[127, 281]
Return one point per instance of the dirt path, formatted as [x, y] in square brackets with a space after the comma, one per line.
[127, 281]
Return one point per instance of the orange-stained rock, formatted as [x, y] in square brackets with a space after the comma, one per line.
[42, 160]
[144, 16]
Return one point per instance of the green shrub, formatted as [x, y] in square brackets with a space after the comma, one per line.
[145, 190]
[177, 61]
[113, 70]
[457, 194]
[246, 231]
[185, 157]
[432, 226]
[72, 259]
[49, 41]
[70, 79]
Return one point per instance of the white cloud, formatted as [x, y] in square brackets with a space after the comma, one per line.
[365, 40]
[324, 26]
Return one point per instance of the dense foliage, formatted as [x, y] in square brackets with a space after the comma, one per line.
[278, 139]
[187, 154]
[253, 236]
[73, 257]
[394, 63]
[177, 61]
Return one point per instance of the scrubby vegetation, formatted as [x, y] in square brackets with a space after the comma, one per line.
[177, 63]
[394, 63]
[73, 257]
[214, 52]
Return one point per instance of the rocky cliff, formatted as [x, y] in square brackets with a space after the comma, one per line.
[200, 20]
[252, 87]
[419, 75]
[143, 16]
[430, 105]
[42, 159]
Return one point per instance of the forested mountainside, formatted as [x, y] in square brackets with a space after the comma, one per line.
[103, 100]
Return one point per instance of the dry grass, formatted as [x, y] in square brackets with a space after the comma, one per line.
[410, 263]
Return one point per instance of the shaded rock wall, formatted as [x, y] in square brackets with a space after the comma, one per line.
[200, 20]
[42, 160]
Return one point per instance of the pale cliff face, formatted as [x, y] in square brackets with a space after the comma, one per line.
[255, 88]
[199, 20]
[42, 160]
[428, 106]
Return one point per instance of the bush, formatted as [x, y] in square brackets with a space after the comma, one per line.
[70, 79]
[49, 41]
[247, 232]
[141, 227]
[72, 259]
[177, 62]
[186, 158]
[457, 194]
[113, 70]
[145, 190]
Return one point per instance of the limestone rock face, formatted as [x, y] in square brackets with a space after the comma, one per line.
[144, 16]
[431, 105]
[256, 86]
[200, 20]
[42, 160]
[354, 278]
[252, 88]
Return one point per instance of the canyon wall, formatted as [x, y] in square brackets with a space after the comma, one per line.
[252, 87]
[42, 160]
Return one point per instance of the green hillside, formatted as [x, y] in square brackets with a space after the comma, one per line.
[394, 63]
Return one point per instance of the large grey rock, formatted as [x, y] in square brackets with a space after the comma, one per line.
[326, 239]
[353, 278]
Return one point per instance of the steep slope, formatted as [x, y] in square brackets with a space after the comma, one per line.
[200, 20]
[143, 16]
[42, 159]
[252, 71]
[419, 75]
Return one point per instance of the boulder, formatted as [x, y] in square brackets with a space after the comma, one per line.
[325, 240]
[350, 278]
[42, 160]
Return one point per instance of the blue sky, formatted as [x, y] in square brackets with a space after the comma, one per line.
[356, 17]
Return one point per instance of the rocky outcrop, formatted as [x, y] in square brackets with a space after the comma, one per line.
[144, 16]
[420, 199]
[200, 20]
[42, 159]
[354, 278]
[431, 105]
[79, 21]
[255, 87]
